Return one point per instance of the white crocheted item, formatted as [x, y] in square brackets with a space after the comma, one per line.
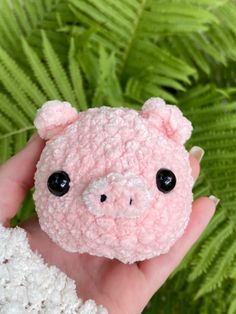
[28, 285]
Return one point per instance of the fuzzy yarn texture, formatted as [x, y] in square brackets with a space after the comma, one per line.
[114, 154]
[28, 285]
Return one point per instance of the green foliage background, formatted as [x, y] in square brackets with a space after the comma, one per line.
[109, 52]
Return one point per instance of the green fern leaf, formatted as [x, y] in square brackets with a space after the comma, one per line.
[5, 148]
[6, 125]
[17, 93]
[209, 251]
[108, 89]
[23, 81]
[76, 78]
[58, 73]
[221, 270]
[12, 112]
[41, 73]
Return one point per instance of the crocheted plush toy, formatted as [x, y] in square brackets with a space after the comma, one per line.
[114, 182]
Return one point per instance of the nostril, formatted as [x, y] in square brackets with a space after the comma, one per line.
[130, 201]
[103, 198]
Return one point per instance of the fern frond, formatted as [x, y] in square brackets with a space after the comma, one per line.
[58, 73]
[76, 78]
[221, 270]
[17, 93]
[108, 89]
[5, 148]
[214, 224]
[217, 43]
[209, 250]
[22, 96]
[134, 52]
[26, 19]
[6, 124]
[23, 81]
[12, 111]
[41, 73]
[12, 141]
[173, 17]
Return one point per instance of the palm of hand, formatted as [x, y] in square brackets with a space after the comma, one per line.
[120, 288]
[109, 282]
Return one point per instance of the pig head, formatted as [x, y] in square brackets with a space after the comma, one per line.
[114, 182]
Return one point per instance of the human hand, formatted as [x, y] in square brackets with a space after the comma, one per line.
[119, 287]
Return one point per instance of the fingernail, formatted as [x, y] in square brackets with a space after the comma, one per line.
[197, 152]
[32, 138]
[215, 199]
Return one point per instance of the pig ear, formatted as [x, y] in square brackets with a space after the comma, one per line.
[168, 119]
[53, 117]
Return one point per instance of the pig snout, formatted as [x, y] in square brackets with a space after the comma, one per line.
[117, 195]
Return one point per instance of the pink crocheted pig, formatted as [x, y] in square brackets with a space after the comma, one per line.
[114, 182]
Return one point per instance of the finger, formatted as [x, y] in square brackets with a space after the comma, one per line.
[17, 177]
[195, 166]
[157, 269]
[195, 156]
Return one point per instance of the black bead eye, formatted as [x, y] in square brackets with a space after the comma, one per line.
[59, 183]
[165, 180]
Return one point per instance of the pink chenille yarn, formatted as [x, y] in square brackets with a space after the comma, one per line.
[115, 152]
